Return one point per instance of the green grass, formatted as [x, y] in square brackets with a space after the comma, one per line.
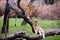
[1, 22]
[52, 38]
[45, 24]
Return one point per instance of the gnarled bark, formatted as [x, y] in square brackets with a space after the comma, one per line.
[22, 34]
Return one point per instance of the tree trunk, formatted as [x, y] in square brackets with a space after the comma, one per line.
[5, 24]
[6, 20]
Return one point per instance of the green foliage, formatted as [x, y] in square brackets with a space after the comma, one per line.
[48, 24]
[52, 38]
[1, 21]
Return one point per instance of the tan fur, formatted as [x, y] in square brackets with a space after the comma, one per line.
[28, 10]
[38, 29]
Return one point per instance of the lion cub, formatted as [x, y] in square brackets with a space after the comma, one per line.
[38, 29]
